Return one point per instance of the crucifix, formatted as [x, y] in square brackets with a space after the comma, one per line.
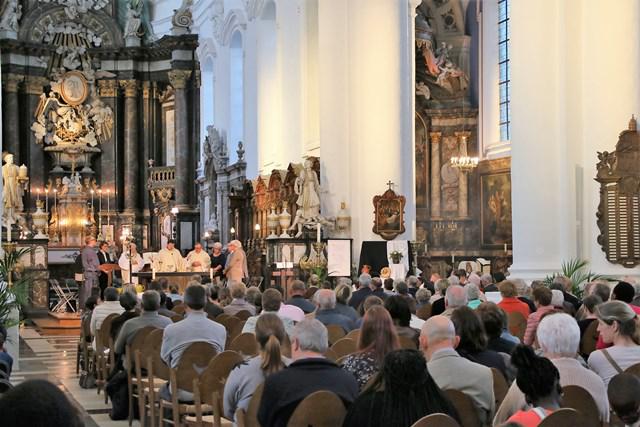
[390, 184]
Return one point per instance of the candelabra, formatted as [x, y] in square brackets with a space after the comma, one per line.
[314, 262]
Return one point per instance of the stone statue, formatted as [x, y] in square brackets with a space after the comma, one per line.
[307, 188]
[10, 16]
[182, 18]
[132, 25]
[12, 178]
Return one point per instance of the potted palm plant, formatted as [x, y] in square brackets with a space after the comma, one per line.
[14, 288]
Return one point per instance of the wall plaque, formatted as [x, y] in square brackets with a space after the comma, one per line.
[388, 219]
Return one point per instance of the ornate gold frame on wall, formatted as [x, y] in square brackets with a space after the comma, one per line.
[66, 95]
[388, 215]
[619, 209]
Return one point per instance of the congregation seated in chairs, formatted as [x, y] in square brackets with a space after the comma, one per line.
[188, 367]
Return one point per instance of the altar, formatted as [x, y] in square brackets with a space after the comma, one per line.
[181, 279]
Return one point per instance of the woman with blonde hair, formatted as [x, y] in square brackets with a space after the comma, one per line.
[617, 325]
[247, 376]
[377, 338]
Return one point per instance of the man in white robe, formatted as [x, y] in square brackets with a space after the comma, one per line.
[136, 264]
[169, 259]
[198, 260]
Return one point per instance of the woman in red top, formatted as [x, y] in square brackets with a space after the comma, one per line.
[539, 380]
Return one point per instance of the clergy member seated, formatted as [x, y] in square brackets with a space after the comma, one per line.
[198, 260]
[169, 259]
[309, 372]
[130, 261]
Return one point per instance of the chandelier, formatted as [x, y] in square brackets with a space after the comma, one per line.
[463, 162]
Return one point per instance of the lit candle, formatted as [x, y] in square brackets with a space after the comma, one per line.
[108, 211]
[505, 248]
[453, 260]
[318, 234]
[100, 198]
[55, 199]
[91, 198]
[211, 274]
[153, 273]
[38, 196]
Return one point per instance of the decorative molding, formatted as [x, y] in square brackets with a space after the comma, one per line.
[10, 82]
[179, 78]
[107, 88]
[253, 8]
[34, 85]
[182, 18]
[235, 21]
[130, 88]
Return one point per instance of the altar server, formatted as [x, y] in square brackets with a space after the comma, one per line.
[136, 264]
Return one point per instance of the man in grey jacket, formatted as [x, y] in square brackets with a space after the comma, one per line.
[90, 269]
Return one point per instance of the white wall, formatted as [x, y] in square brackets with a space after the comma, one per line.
[565, 108]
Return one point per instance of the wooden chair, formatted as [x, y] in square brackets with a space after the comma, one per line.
[249, 418]
[344, 346]
[243, 314]
[157, 374]
[331, 355]
[517, 324]
[235, 329]
[407, 343]
[335, 333]
[192, 363]
[589, 339]
[245, 344]
[633, 369]
[134, 378]
[179, 309]
[500, 386]
[436, 420]
[564, 417]
[209, 388]
[354, 335]
[465, 407]
[176, 318]
[221, 317]
[576, 397]
[104, 355]
[319, 409]
[424, 312]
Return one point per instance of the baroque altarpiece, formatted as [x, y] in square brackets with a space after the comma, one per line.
[105, 116]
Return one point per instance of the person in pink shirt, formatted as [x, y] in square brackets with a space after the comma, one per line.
[542, 300]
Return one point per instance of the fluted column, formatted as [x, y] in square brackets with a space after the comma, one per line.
[11, 110]
[184, 177]
[435, 174]
[35, 156]
[131, 163]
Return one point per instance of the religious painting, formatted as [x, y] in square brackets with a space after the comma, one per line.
[388, 215]
[495, 189]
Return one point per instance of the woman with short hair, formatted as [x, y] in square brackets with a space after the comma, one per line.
[377, 338]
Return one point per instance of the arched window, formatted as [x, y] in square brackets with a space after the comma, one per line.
[236, 91]
[505, 74]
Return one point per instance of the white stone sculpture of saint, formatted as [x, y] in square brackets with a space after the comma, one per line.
[132, 25]
[307, 188]
[12, 188]
[10, 16]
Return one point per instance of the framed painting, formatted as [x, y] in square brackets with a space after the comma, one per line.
[495, 210]
[388, 219]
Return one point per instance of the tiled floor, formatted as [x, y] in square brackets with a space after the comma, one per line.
[53, 357]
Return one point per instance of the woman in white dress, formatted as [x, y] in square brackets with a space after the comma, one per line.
[136, 264]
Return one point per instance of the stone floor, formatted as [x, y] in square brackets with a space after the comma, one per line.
[53, 357]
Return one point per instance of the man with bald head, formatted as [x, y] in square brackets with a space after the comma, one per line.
[450, 371]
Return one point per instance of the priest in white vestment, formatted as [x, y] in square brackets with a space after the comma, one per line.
[136, 264]
[169, 259]
[198, 260]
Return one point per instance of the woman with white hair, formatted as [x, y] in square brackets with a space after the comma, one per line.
[218, 259]
[473, 295]
[559, 337]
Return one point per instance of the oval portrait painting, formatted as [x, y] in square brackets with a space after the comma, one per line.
[74, 88]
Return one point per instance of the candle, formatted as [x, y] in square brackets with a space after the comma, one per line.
[100, 198]
[505, 248]
[453, 260]
[108, 211]
[319, 232]
[46, 200]
[92, 199]
[38, 196]
[55, 199]
[211, 274]
[153, 273]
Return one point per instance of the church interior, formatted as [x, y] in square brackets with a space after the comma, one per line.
[418, 155]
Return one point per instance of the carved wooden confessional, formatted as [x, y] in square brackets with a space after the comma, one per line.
[619, 210]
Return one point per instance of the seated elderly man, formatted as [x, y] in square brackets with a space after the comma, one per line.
[149, 317]
[238, 303]
[363, 291]
[297, 291]
[377, 288]
[559, 337]
[271, 303]
[327, 313]
[309, 372]
[454, 297]
[449, 370]
[110, 306]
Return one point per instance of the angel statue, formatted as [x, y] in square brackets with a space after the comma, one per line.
[132, 25]
[307, 188]
[10, 15]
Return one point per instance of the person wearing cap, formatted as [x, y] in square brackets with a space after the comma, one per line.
[169, 259]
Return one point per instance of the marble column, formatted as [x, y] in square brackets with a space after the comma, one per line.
[11, 116]
[435, 174]
[184, 174]
[146, 137]
[131, 163]
[463, 182]
[36, 157]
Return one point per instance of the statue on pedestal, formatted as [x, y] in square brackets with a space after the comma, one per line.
[11, 14]
[307, 188]
[13, 179]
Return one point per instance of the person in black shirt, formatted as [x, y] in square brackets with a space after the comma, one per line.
[104, 257]
[218, 260]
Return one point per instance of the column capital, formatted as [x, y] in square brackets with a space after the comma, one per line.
[11, 81]
[130, 88]
[178, 78]
[35, 85]
[435, 137]
[107, 88]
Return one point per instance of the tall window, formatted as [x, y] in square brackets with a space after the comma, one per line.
[505, 73]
